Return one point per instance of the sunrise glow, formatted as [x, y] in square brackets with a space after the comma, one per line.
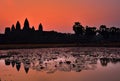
[59, 15]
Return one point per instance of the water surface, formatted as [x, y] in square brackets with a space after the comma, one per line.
[60, 64]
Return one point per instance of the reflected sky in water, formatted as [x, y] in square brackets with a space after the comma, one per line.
[57, 64]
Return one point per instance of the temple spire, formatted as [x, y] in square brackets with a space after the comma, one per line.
[26, 25]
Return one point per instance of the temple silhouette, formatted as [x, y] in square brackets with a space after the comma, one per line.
[17, 35]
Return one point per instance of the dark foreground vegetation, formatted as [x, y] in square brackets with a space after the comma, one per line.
[83, 36]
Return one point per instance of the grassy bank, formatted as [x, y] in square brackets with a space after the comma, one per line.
[23, 46]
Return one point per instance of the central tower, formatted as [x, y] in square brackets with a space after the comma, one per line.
[26, 25]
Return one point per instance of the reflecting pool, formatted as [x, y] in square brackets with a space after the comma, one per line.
[60, 64]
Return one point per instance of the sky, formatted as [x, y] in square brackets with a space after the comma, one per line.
[59, 15]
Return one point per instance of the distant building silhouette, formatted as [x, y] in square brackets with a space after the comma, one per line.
[33, 29]
[13, 63]
[26, 69]
[26, 25]
[18, 26]
[7, 30]
[28, 34]
[18, 65]
[13, 28]
[40, 27]
[7, 62]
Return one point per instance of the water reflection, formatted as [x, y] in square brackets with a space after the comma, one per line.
[51, 60]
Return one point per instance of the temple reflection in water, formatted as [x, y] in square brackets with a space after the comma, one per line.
[51, 60]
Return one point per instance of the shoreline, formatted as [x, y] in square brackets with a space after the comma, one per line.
[32, 46]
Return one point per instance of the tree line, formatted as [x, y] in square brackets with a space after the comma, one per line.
[103, 34]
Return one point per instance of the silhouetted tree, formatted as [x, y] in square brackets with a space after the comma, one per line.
[115, 60]
[104, 31]
[113, 34]
[78, 28]
[113, 30]
[103, 28]
[18, 26]
[104, 61]
[40, 27]
[90, 31]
